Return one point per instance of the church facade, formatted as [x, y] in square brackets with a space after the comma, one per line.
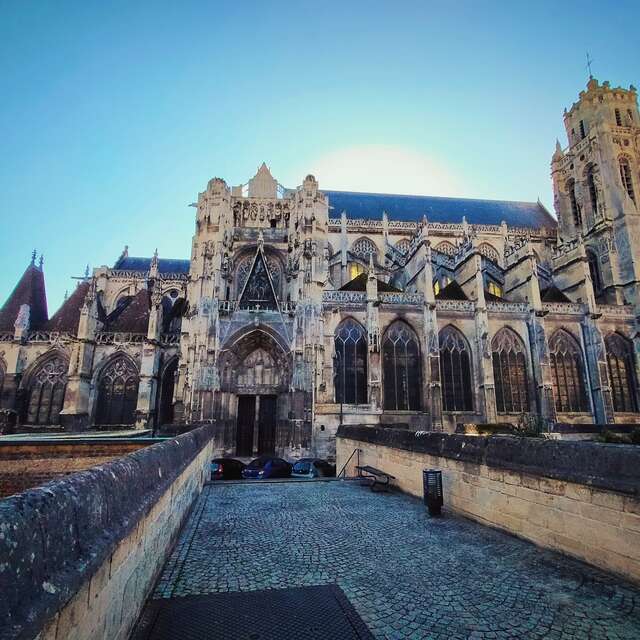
[303, 309]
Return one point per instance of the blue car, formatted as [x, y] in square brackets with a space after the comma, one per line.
[267, 467]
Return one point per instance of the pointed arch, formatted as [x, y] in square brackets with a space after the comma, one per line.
[258, 290]
[350, 365]
[117, 391]
[455, 370]
[363, 248]
[489, 252]
[575, 209]
[626, 177]
[567, 368]
[622, 377]
[508, 354]
[45, 386]
[401, 368]
[594, 271]
[245, 264]
[445, 247]
[165, 397]
[592, 187]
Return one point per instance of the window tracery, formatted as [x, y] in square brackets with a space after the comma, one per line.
[567, 369]
[46, 392]
[510, 372]
[117, 393]
[363, 248]
[401, 368]
[489, 252]
[244, 268]
[445, 247]
[455, 371]
[350, 363]
[620, 362]
[403, 246]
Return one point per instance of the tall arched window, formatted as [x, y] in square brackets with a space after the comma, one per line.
[567, 368]
[510, 372]
[593, 191]
[626, 178]
[620, 363]
[118, 393]
[455, 371]
[594, 272]
[351, 363]
[575, 210]
[401, 368]
[47, 386]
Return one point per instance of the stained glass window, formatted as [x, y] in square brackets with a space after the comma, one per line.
[567, 369]
[118, 393]
[258, 292]
[351, 363]
[455, 371]
[510, 372]
[46, 392]
[620, 362]
[401, 368]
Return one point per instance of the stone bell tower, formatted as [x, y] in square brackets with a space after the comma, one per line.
[596, 182]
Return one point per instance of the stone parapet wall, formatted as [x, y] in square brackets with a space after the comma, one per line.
[25, 465]
[80, 554]
[582, 499]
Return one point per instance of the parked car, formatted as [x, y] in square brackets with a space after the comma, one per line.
[226, 469]
[313, 468]
[267, 467]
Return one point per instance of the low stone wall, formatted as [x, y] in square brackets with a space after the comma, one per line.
[31, 463]
[79, 555]
[580, 498]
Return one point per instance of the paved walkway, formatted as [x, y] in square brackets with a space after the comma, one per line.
[408, 576]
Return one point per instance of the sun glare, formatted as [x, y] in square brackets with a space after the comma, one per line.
[384, 169]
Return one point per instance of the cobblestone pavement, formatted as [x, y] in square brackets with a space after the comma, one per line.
[407, 575]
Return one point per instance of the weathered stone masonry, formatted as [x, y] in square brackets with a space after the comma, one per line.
[80, 554]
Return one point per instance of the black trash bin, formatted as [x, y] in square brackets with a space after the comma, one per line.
[432, 486]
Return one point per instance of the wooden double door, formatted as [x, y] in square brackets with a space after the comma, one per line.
[256, 428]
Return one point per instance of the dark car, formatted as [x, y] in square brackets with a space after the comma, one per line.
[226, 469]
[267, 467]
[313, 468]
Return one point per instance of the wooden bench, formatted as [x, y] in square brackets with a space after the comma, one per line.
[374, 477]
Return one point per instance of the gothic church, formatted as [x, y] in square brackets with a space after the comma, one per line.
[303, 309]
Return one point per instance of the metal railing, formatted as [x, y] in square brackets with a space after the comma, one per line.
[342, 472]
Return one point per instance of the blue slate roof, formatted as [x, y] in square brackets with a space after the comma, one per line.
[438, 209]
[165, 265]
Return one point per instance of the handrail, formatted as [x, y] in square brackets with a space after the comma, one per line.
[344, 467]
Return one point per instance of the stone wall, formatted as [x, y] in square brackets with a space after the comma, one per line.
[28, 464]
[580, 498]
[79, 555]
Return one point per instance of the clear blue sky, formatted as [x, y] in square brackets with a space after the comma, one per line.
[113, 115]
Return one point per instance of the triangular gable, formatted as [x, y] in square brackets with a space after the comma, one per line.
[258, 292]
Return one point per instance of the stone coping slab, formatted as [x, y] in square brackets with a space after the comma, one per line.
[53, 538]
[613, 467]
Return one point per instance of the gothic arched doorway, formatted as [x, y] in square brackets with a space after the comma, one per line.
[255, 372]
